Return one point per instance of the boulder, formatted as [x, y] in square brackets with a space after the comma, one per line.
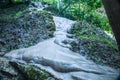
[23, 28]
[31, 72]
[11, 70]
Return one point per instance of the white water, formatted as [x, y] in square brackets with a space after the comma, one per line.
[53, 56]
[63, 26]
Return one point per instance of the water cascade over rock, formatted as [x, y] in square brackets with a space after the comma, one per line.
[53, 55]
[60, 61]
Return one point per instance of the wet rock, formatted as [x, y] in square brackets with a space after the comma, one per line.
[6, 69]
[11, 70]
[74, 45]
[31, 72]
[36, 6]
[70, 36]
[65, 42]
[2, 54]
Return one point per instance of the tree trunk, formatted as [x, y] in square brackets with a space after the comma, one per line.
[112, 8]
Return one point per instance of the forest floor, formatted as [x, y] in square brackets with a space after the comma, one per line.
[20, 29]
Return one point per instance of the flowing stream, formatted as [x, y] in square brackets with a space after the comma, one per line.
[54, 56]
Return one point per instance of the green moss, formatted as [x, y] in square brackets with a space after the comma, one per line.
[17, 1]
[11, 13]
[31, 72]
[101, 39]
[18, 71]
[18, 14]
[45, 13]
[47, 17]
[83, 30]
[35, 74]
[96, 44]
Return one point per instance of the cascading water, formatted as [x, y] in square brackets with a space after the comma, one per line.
[63, 26]
[53, 56]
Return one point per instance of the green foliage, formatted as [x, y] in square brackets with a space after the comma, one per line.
[87, 10]
[11, 13]
[101, 20]
[71, 1]
[80, 10]
[94, 4]
[17, 1]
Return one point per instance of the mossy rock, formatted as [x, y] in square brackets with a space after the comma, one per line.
[96, 44]
[6, 68]
[12, 70]
[27, 27]
[31, 72]
[84, 30]
[7, 71]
